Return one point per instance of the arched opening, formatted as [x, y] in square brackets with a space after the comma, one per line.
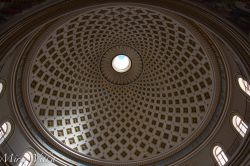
[1, 88]
[27, 159]
[5, 129]
[240, 125]
[244, 85]
[220, 156]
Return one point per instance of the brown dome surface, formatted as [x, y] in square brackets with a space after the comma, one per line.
[156, 109]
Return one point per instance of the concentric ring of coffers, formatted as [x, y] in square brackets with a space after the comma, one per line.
[72, 100]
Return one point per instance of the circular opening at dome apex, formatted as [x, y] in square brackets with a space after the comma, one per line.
[121, 63]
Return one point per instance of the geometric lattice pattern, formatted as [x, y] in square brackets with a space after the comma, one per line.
[154, 115]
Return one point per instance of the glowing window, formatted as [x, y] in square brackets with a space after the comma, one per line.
[220, 156]
[240, 126]
[244, 85]
[1, 88]
[5, 129]
[27, 159]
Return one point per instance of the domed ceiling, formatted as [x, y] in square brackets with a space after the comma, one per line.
[160, 107]
[161, 104]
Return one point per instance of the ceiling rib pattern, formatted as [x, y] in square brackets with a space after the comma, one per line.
[126, 119]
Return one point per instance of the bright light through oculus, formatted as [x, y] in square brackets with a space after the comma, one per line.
[121, 63]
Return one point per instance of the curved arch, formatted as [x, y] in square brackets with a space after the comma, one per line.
[239, 125]
[219, 155]
[2, 87]
[5, 130]
[244, 85]
[28, 159]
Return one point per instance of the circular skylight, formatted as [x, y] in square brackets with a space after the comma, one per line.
[121, 63]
